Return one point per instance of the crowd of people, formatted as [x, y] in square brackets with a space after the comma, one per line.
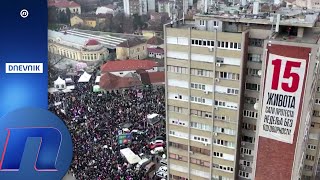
[94, 120]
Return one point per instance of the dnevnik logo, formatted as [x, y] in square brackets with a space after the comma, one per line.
[35, 144]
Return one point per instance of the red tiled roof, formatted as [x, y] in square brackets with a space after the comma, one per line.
[110, 81]
[155, 41]
[92, 42]
[63, 4]
[152, 77]
[156, 50]
[127, 65]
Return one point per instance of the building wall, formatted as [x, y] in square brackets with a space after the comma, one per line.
[126, 7]
[90, 23]
[136, 52]
[73, 10]
[76, 54]
[212, 137]
[75, 20]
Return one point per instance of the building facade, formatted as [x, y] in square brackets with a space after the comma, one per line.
[132, 49]
[76, 48]
[132, 7]
[215, 78]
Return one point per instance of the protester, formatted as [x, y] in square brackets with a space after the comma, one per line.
[93, 121]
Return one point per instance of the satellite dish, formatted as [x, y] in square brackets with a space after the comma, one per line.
[259, 72]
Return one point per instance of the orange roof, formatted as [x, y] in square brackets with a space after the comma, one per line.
[152, 77]
[155, 41]
[127, 65]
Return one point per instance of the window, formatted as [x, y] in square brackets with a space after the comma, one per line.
[198, 99]
[178, 146]
[245, 151]
[224, 143]
[253, 87]
[308, 168]
[227, 75]
[317, 101]
[178, 122]
[232, 91]
[177, 109]
[253, 72]
[246, 163]
[250, 100]
[254, 58]
[200, 139]
[200, 113]
[178, 157]
[318, 89]
[218, 154]
[250, 114]
[222, 167]
[309, 157]
[224, 130]
[248, 126]
[219, 60]
[202, 22]
[200, 162]
[247, 139]
[177, 69]
[201, 72]
[198, 86]
[200, 150]
[312, 147]
[256, 42]
[215, 23]
[201, 126]
[316, 113]
[243, 174]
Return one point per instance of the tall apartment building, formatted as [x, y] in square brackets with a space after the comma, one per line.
[217, 78]
[132, 7]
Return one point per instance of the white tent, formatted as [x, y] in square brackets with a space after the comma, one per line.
[98, 79]
[151, 116]
[85, 77]
[67, 90]
[59, 83]
[131, 157]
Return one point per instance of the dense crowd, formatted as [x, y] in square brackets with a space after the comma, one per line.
[93, 120]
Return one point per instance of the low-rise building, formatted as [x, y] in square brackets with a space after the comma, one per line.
[89, 20]
[157, 53]
[134, 48]
[75, 47]
[62, 6]
[108, 9]
[155, 42]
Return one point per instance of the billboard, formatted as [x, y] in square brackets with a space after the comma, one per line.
[282, 98]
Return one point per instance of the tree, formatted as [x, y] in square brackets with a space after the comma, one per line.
[137, 22]
[68, 14]
[117, 23]
[52, 15]
[128, 26]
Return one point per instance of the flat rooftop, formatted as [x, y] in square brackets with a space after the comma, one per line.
[289, 16]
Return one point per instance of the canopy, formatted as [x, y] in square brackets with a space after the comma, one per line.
[96, 88]
[67, 90]
[59, 83]
[151, 116]
[130, 156]
[85, 77]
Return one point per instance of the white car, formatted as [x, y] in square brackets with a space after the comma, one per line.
[162, 174]
[163, 168]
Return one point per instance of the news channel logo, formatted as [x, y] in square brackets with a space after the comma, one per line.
[34, 144]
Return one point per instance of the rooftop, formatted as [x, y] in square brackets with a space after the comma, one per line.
[62, 4]
[155, 41]
[289, 16]
[127, 65]
[131, 42]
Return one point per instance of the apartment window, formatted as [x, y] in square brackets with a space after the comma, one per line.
[219, 60]
[202, 22]
[218, 154]
[224, 143]
[178, 122]
[254, 57]
[177, 69]
[253, 87]
[248, 126]
[201, 139]
[215, 23]
[200, 162]
[247, 163]
[224, 130]
[250, 114]
[178, 146]
[220, 103]
[227, 75]
[200, 113]
[198, 86]
[316, 113]
[308, 168]
[200, 150]
[253, 72]
[245, 151]
[312, 147]
[198, 99]
[177, 109]
[318, 89]
[309, 157]
[232, 91]
[255, 42]
[201, 126]
[250, 100]
[201, 72]
[178, 157]
[222, 167]
[317, 101]
[247, 139]
[243, 174]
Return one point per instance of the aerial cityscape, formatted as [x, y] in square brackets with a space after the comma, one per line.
[187, 89]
